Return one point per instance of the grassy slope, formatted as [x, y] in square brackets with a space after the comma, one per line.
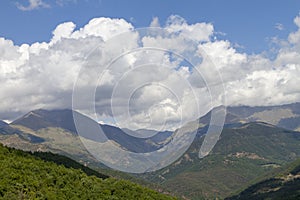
[69, 146]
[24, 176]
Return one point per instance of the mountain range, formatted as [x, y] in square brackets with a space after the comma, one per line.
[284, 116]
[254, 141]
[242, 155]
[42, 119]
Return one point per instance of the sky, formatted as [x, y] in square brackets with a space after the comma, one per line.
[249, 24]
[49, 49]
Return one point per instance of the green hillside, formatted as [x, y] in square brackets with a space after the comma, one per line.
[24, 176]
[240, 157]
[283, 185]
[245, 154]
[67, 162]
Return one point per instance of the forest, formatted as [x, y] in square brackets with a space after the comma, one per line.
[25, 176]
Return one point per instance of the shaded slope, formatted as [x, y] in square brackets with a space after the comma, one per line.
[3, 123]
[7, 130]
[41, 118]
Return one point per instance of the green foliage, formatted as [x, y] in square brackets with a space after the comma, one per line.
[23, 176]
[284, 185]
[67, 162]
[240, 157]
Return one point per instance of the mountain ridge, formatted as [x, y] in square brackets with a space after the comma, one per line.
[41, 119]
[248, 148]
[240, 156]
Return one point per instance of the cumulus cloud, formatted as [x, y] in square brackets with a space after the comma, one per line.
[155, 22]
[33, 5]
[294, 38]
[63, 30]
[198, 31]
[141, 79]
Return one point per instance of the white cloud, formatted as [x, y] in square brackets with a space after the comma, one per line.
[295, 36]
[155, 22]
[146, 87]
[33, 5]
[103, 27]
[63, 30]
[199, 31]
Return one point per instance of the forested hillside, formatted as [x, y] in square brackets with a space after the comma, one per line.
[283, 185]
[24, 176]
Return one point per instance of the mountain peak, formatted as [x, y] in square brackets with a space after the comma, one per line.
[31, 113]
[41, 118]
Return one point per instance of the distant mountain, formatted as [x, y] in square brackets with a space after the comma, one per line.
[285, 116]
[6, 131]
[41, 118]
[147, 133]
[3, 123]
[285, 184]
[242, 154]
[135, 144]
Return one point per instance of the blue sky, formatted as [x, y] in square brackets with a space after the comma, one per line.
[254, 46]
[250, 24]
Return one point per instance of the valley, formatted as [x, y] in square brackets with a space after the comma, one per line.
[250, 146]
